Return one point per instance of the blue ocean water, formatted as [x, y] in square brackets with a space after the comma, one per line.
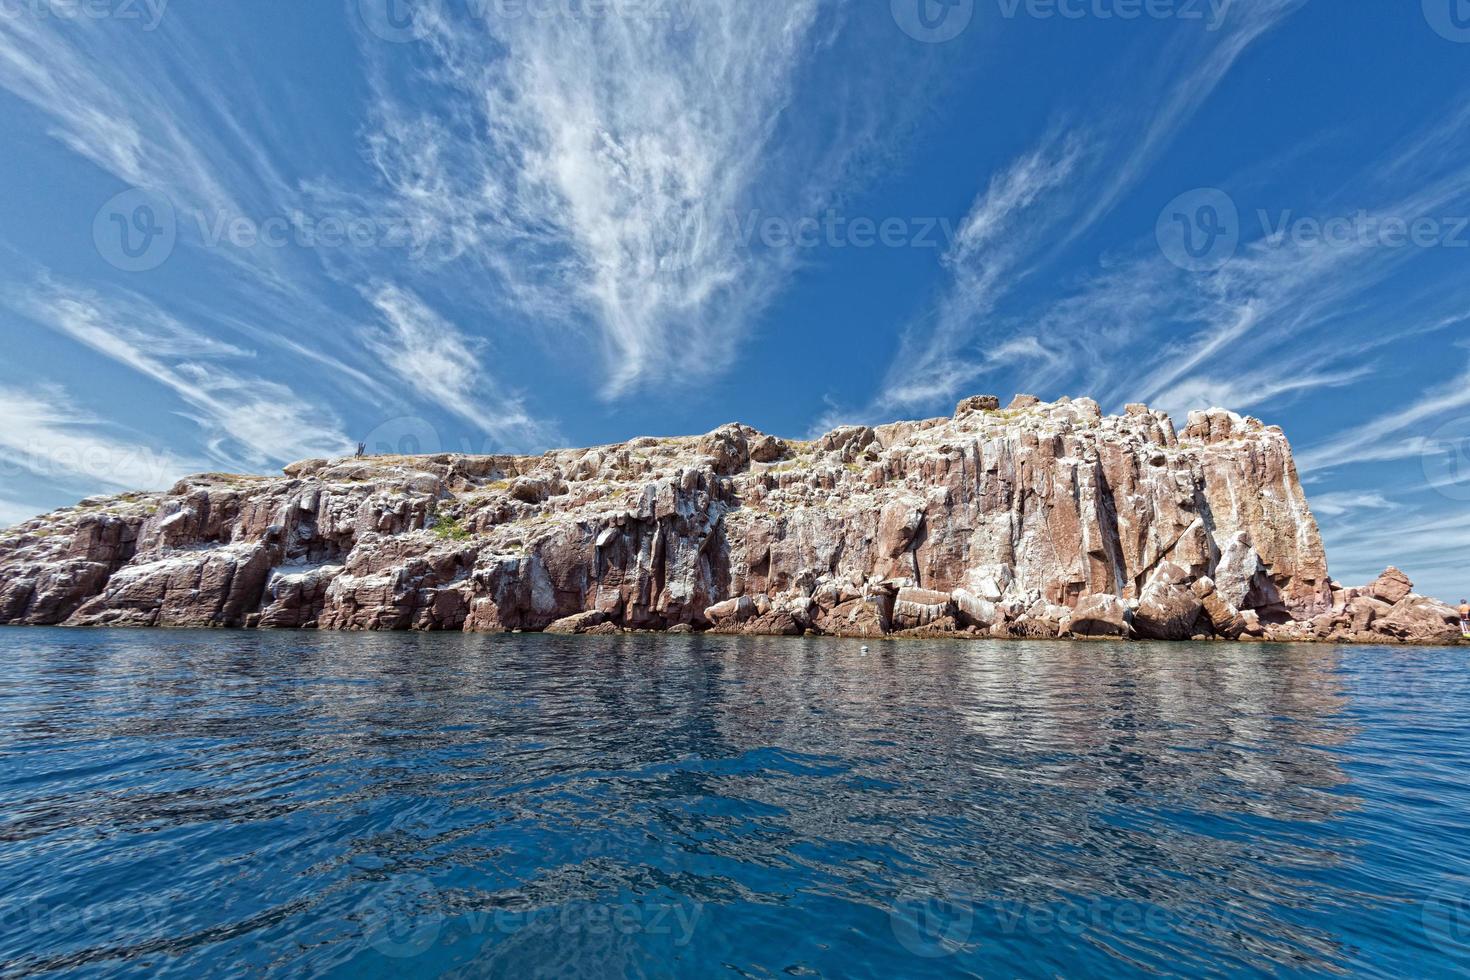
[239, 804]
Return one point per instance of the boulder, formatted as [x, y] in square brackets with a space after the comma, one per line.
[1416, 619]
[913, 608]
[768, 449]
[580, 623]
[1100, 615]
[1392, 587]
[731, 612]
[1167, 612]
[1224, 618]
[973, 611]
[1365, 610]
[979, 403]
[856, 618]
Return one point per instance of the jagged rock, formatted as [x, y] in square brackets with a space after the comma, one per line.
[975, 611]
[1392, 587]
[1100, 615]
[580, 623]
[1168, 608]
[731, 612]
[1415, 619]
[856, 618]
[979, 403]
[914, 608]
[1008, 523]
[1241, 577]
[1225, 619]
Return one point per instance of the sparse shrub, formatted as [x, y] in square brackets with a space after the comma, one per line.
[450, 529]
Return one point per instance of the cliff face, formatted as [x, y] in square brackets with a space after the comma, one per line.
[1036, 520]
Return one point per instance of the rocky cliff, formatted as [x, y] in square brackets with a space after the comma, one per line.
[1036, 520]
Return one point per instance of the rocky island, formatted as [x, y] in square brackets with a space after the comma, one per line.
[1039, 520]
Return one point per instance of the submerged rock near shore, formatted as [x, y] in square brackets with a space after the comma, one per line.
[1037, 520]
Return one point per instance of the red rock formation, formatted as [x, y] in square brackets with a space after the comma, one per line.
[1034, 520]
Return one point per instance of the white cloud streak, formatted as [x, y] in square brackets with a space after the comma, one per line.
[598, 168]
[1398, 434]
[1042, 203]
[42, 433]
[247, 420]
[442, 363]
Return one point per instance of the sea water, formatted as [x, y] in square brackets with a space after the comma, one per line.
[241, 804]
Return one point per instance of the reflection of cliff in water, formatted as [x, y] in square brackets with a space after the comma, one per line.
[781, 773]
[1031, 774]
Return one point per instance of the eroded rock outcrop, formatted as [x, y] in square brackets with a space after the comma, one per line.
[1034, 520]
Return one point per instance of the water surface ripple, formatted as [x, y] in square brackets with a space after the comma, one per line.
[235, 804]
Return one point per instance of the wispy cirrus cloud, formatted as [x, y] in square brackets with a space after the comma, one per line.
[246, 419]
[112, 94]
[592, 166]
[44, 434]
[1044, 201]
[1401, 433]
[1348, 502]
[444, 364]
[15, 512]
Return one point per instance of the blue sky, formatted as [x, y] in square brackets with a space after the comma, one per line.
[238, 234]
